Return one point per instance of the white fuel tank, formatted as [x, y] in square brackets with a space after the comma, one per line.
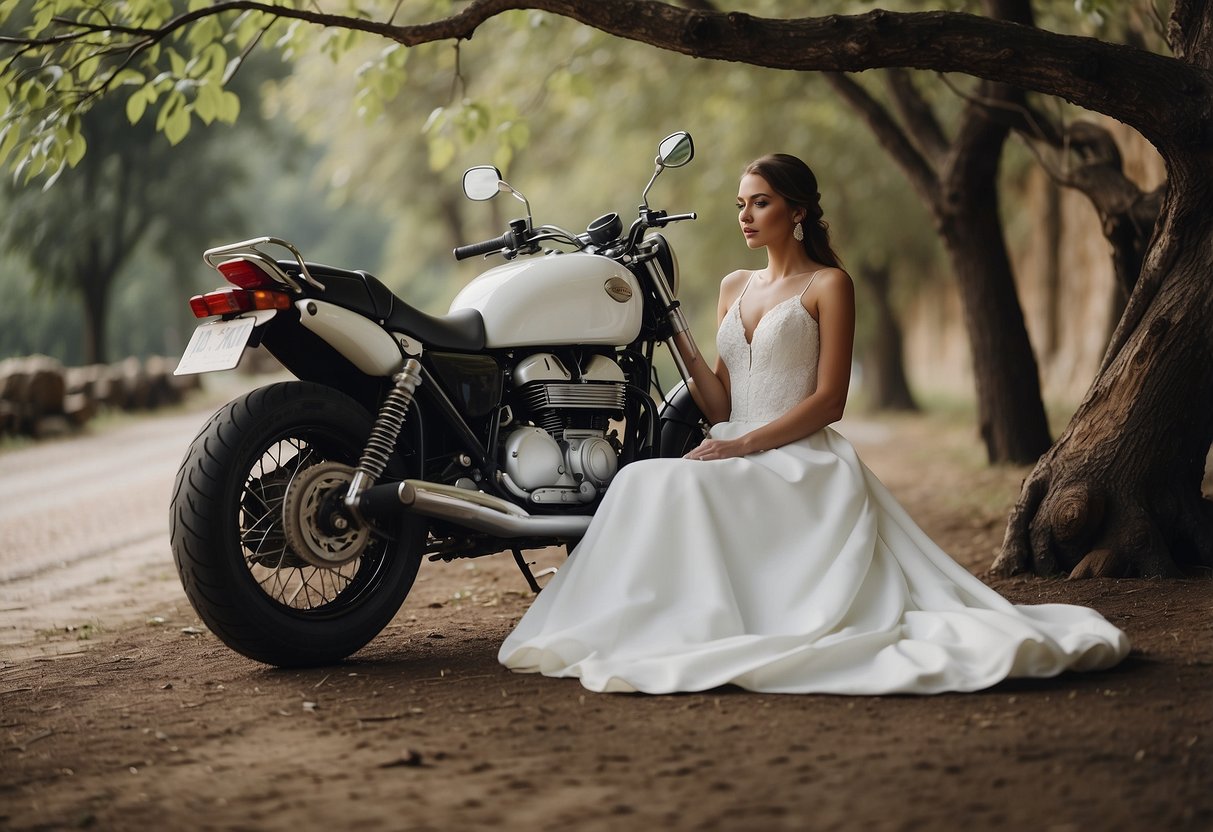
[556, 299]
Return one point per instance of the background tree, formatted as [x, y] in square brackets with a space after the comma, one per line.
[884, 378]
[130, 190]
[957, 179]
[1119, 493]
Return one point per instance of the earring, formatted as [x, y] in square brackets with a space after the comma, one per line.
[798, 233]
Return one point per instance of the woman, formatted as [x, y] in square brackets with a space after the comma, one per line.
[771, 557]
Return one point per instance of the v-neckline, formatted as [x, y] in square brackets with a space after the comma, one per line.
[749, 339]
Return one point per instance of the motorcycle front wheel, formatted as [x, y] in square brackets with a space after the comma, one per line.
[682, 425]
[253, 591]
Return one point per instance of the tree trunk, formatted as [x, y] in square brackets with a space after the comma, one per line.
[1009, 407]
[94, 295]
[885, 371]
[1120, 493]
[1052, 268]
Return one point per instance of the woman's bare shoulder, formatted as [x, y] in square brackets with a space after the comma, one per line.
[732, 285]
[832, 288]
[833, 278]
[831, 282]
[733, 281]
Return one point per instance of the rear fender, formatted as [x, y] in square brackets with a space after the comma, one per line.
[360, 341]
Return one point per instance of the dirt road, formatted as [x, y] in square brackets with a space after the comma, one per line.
[84, 525]
[120, 712]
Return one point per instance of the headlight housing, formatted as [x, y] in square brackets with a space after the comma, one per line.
[668, 261]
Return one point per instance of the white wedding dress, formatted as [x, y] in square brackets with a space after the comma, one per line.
[787, 571]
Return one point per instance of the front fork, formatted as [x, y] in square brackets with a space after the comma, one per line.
[677, 319]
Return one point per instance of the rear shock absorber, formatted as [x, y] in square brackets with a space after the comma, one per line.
[384, 434]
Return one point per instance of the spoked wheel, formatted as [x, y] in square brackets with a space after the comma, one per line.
[266, 556]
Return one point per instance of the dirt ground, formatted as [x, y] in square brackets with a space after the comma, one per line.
[133, 716]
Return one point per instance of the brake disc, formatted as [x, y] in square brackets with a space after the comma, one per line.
[316, 530]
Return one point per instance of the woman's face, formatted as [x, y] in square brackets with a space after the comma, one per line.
[764, 215]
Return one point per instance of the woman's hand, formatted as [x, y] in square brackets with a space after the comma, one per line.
[718, 449]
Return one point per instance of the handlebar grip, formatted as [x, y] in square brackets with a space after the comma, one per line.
[506, 240]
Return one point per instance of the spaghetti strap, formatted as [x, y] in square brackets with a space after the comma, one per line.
[807, 285]
[746, 286]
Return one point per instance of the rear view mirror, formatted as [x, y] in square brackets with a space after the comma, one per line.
[481, 182]
[675, 150]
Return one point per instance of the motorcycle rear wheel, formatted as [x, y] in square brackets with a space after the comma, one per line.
[226, 529]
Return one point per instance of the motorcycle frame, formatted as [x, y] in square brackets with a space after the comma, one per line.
[437, 428]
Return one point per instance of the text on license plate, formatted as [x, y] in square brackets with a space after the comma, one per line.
[216, 346]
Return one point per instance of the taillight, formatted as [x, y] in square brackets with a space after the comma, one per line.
[246, 275]
[229, 301]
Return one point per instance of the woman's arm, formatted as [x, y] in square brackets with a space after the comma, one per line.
[835, 302]
[710, 386]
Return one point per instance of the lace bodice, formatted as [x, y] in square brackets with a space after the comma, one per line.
[778, 369]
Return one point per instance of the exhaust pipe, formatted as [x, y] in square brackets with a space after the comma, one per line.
[474, 509]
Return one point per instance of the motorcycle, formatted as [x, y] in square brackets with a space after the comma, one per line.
[299, 519]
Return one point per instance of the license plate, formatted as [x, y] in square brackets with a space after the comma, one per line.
[216, 346]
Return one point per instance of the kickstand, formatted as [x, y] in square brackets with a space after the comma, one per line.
[526, 570]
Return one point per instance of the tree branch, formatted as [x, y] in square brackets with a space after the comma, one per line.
[1127, 213]
[917, 115]
[892, 138]
[1163, 98]
[1190, 32]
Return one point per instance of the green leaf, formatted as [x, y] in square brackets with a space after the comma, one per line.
[395, 56]
[54, 177]
[42, 19]
[177, 126]
[127, 77]
[88, 68]
[503, 157]
[442, 152]
[436, 120]
[367, 105]
[214, 61]
[34, 94]
[204, 32]
[206, 104]
[75, 150]
[172, 103]
[519, 134]
[227, 109]
[136, 105]
[9, 137]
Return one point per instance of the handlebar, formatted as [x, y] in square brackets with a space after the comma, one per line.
[514, 238]
[506, 240]
[679, 217]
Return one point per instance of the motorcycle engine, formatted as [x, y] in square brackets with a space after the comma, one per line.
[563, 455]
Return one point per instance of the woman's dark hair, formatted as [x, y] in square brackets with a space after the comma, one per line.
[793, 180]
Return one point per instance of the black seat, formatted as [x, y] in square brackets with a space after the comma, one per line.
[462, 331]
[362, 292]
